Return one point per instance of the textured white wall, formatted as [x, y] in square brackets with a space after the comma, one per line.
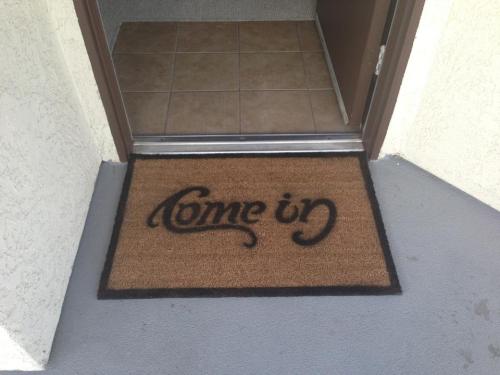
[70, 38]
[114, 12]
[447, 117]
[51, 149]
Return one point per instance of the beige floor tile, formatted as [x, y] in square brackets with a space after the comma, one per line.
[146, 37]
[206, 71]
[147, 112]
[309, 37]
[318, 76]
[326, 112]
[203, 113]
[269, 71]
[276, 112]
[207, 37]
[269, 36]
[144, 72]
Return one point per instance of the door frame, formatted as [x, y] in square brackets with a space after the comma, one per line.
[397, 53]
[383, 100]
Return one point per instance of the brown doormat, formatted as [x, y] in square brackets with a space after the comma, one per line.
[248, 225]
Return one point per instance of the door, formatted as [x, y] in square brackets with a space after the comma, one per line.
[353, 31]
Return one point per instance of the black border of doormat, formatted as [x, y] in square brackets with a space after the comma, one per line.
[394, 288]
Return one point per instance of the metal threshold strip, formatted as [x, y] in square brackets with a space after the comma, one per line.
[207, 144]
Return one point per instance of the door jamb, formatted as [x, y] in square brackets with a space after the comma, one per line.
[399, 44]
[88, 15]
[398, 49]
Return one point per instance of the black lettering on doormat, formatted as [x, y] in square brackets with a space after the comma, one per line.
[197, 216]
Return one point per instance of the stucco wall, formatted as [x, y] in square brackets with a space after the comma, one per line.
[114, 12]
[67, 30]
[447, 117]
[52, 143]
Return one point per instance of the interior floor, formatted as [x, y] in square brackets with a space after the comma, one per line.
[198, 78]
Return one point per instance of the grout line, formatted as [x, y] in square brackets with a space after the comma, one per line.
[176, 52]
[172, 78]
[309, 92]
[285, 89]
[307, 80]
[299, 36]
[222, 90]
[178, 91]
[239, 81]
[144, 53]
[272, 51]
[212, 52]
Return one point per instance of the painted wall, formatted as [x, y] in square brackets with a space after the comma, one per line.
[447, 117]
[53, 137]
[67, 30]
[114, 12]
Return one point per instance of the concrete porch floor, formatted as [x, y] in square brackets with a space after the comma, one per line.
[446, 246]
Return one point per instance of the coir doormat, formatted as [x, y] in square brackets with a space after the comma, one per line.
[263, 225]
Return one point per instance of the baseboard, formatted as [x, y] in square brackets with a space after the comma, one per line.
[333, 76]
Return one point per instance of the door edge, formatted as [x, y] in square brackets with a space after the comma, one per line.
[399, 44]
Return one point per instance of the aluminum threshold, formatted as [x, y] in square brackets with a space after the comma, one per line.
[216, 145]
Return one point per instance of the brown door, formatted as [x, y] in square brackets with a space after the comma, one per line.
[353, 31]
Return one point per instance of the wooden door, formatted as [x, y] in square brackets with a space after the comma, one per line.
[353, 31]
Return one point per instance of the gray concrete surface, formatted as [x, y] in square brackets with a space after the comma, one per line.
[446, 247]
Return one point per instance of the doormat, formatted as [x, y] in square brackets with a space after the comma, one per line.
[248, 225]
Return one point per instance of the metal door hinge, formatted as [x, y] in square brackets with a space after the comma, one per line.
[380, 60]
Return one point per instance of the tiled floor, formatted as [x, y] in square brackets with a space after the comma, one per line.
[225, 78]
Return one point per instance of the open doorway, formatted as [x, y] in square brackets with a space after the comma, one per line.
[226, 79]
[233, 76]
